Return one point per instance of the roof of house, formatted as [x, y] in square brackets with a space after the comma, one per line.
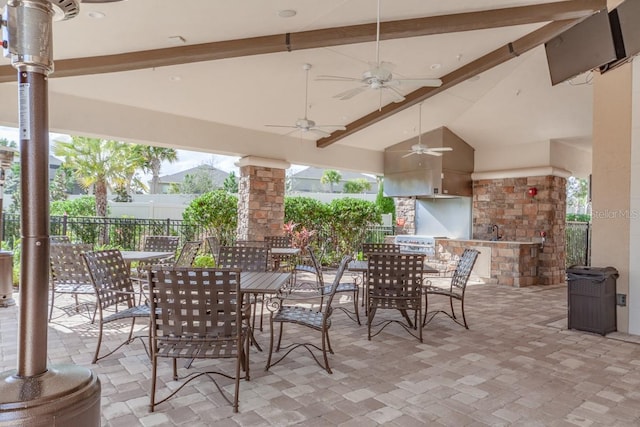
[217, 175]
[316, 173]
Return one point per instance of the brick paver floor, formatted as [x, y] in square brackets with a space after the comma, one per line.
[518, 365]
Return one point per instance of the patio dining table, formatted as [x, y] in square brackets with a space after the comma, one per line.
[130, 256]
[261, 282]
[280, 254]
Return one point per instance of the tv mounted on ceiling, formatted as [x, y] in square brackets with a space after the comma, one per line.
[624, 21]
[583, 47]
[603, 41]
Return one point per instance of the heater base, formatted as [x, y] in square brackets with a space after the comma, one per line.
[64, 395]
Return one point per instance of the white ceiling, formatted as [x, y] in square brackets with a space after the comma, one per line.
[513, 103]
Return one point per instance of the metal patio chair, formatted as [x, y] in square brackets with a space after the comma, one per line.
[198, 315]
[69, 274]
[394, 282]
[293, 307]
[116, 298]
[455, 291]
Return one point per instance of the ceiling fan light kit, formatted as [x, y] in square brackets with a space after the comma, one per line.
[379, 77]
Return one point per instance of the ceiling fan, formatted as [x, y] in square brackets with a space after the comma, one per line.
[379, 77]
[305, 124]
[420, 148]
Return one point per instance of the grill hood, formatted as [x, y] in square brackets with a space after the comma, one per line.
[426, 176]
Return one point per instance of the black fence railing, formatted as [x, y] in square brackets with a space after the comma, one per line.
[129, 233]
[578, 243]
[123, 233]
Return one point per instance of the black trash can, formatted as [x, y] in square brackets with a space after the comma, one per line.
[592, 299]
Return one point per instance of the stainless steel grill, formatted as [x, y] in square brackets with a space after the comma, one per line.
[417, 244]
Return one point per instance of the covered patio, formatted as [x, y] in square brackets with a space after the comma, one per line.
[517, 365]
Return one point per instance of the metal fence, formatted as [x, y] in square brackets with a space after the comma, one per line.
[123, 233]
[578, 243]
[129, 233]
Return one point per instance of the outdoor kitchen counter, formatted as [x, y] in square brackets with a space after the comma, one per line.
[502, 262]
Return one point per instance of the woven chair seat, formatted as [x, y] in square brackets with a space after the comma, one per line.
[198, 348]
[442, 291]
[129, 313]
[75, 288]
[302, 316]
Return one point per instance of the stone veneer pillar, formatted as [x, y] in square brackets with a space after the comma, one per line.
[521, 218]
[406, 209]
[260, 197]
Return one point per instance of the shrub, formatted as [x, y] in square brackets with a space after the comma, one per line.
[215, 211]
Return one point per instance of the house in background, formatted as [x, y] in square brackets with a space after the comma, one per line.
[308, 180]
[217, 177]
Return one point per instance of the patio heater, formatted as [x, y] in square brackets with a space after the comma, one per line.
[36, 394]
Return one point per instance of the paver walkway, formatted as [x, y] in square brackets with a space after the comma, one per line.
[518, 365]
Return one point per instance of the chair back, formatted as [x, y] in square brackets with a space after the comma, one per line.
[251, 243]
[394, 276]
[59, 239]
[368, 248]
[277, 241]
[110, 277]
[161, 243]
[188, 254]
[214, 246]
[246, 258]
[195, 304]
[67, 265]
[336, 282]
[463, 270]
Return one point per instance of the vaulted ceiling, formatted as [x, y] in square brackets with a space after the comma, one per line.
[240, 65]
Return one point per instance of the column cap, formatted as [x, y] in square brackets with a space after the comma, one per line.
[263, 162]
[521, 173]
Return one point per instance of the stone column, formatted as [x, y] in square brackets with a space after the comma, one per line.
[260, 197]
[406, 210]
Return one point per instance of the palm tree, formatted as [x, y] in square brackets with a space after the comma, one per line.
[95, 163]
[154, 157]
[330, 177]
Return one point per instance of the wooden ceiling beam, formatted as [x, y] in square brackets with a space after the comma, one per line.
[569, 9]
[484, 63]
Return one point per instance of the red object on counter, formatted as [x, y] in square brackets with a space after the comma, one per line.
[532, 191]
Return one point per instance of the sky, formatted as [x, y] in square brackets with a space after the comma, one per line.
[186, 159]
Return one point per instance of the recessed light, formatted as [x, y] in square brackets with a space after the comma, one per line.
[287, 13]
[435, 66]
[95, 14]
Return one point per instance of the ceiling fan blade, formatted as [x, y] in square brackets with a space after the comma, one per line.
[439, 149]
[410, 154]
[348, 94]
[433, 153]
[281, 126]
[337, 78]
[418, 81]
[320, 132]
[398, 96]
[336, 127]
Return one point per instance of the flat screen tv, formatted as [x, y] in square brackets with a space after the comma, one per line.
[625, 25]
[585, 46]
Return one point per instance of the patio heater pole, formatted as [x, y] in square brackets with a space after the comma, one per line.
[35, 394]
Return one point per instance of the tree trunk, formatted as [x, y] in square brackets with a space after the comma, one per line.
[101, 207]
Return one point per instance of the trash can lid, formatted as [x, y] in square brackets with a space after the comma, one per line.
[596, 273]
